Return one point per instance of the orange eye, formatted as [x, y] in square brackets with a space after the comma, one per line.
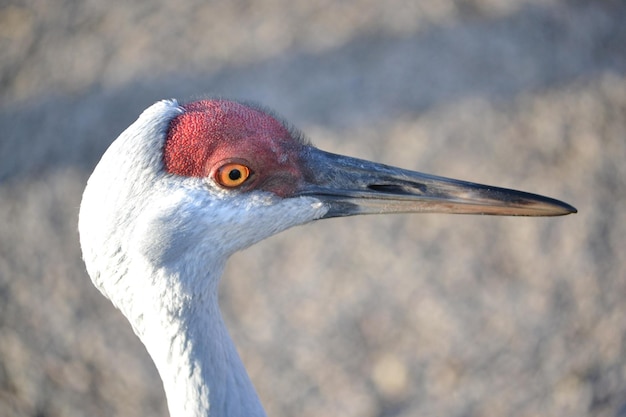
[232, 175]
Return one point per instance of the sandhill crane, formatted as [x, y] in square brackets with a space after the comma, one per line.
[185, 186]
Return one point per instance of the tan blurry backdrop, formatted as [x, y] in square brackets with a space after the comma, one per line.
[406, 315]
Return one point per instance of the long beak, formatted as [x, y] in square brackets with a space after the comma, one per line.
[350, 186]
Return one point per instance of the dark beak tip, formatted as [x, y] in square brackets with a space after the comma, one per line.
[570, 209]
[561, 208]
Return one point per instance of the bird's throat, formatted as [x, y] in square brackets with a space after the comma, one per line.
[197, 360]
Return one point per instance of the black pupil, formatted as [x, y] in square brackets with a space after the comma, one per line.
[234, 174]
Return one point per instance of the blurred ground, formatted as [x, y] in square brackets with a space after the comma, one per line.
[422, 315]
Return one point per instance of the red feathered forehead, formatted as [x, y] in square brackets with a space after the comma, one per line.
[212, 131]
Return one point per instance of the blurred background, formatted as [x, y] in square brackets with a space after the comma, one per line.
[404, 315]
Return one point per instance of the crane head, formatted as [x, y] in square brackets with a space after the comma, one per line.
[205, 179]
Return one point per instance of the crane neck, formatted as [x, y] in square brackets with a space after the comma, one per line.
[201, 370]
